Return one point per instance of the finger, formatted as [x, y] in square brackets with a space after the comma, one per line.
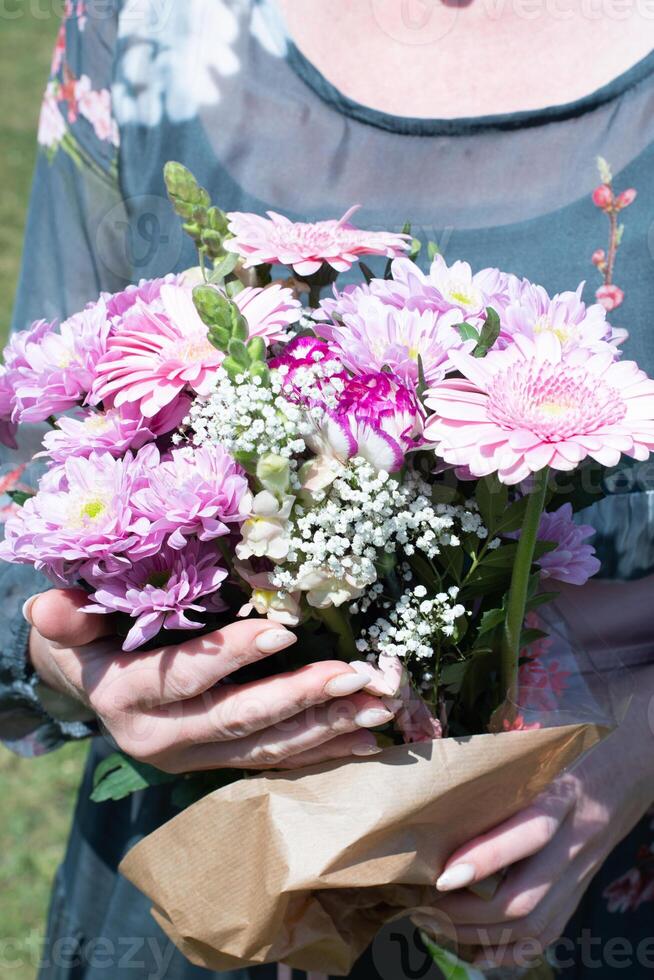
[522, 835]
[305, 732]
[57, 616]
[126, 682]
[236, 711]
[361, 745]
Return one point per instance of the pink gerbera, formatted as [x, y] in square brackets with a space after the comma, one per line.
[155, 356]
[533, 405]
[305, 246]
[159, 592]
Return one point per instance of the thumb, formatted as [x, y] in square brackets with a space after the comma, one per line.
[57, 616]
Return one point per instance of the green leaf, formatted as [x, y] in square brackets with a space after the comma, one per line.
[541, 599]
[502, 557]
[449, 963]
[223, 267]
[467, 331]
[492, 497]
[490, 620]
[422, 383]
[489, 333]
[20, 497]
[452, 676]
[513, 517]
[529, 636]
[432, 251]
[118, 776]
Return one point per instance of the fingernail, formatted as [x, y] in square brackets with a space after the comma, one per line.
[272, 641]
[27, 608]
[458, 876]
[344, 684]
[365, 748]
[371, 717]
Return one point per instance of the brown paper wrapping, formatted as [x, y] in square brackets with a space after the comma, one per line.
[305, 867]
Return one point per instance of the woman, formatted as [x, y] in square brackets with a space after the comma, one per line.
[479, 123]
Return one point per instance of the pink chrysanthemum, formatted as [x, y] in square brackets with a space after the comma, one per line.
[8, 428]
[565, 315]
[195, 492]
[114, 431]
[378, 335]
[454, 289]
[159, 591]
[83, 521]
[305, 246]
[573, 560]
[533, 405]
[52, 371]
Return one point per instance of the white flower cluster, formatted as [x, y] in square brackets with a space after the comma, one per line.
[249, 417]
[413, 625]
[334, 545]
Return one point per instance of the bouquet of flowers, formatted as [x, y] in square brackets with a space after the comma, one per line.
[373, 464]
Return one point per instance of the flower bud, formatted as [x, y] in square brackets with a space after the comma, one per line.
[610, 296]
[626, 198]
[598, 257]
[603, 196]
[273, 472]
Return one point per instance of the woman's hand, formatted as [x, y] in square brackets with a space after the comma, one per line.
[168, 708]
[552, 849]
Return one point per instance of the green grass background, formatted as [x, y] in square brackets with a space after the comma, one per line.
[36, 795]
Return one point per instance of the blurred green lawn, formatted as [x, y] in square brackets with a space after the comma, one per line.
[38, 794]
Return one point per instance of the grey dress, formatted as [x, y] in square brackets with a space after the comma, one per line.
[218, 85]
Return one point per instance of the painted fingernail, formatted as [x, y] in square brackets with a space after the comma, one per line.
[371, 717]
[350, 683]
[272, 641]
[365, 748]
[27, 608]
[458, 876]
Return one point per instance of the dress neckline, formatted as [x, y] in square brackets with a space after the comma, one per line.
[459, 126]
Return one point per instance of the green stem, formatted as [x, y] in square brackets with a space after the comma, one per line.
[314, 295]
[337, 621]
[517, 601]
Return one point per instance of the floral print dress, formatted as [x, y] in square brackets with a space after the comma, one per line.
[220, 86]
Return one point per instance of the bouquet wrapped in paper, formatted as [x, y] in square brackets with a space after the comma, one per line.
[376, 468]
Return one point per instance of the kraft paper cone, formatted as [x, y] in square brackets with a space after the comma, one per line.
[305, 867]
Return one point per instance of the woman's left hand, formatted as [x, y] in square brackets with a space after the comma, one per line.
[553, 848]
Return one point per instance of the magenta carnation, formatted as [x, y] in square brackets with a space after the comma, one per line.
[159, 591]
[194, 492]
[52, 371]
[305, 246]
[83, 521]
[383, 403]
[114, 431]
[533, 405]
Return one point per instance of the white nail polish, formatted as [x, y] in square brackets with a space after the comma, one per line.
[458, 876]
[371, 717]
[366, 748]
[272, 641]
[27, 607]
[344, 684]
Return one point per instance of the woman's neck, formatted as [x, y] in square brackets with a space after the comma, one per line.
[469, 57]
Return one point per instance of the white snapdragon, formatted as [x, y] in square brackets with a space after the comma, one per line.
[266, 532]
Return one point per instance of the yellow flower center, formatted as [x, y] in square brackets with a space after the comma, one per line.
[93, 509]
[563, 331]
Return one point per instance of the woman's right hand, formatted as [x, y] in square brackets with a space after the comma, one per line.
[168, 708]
